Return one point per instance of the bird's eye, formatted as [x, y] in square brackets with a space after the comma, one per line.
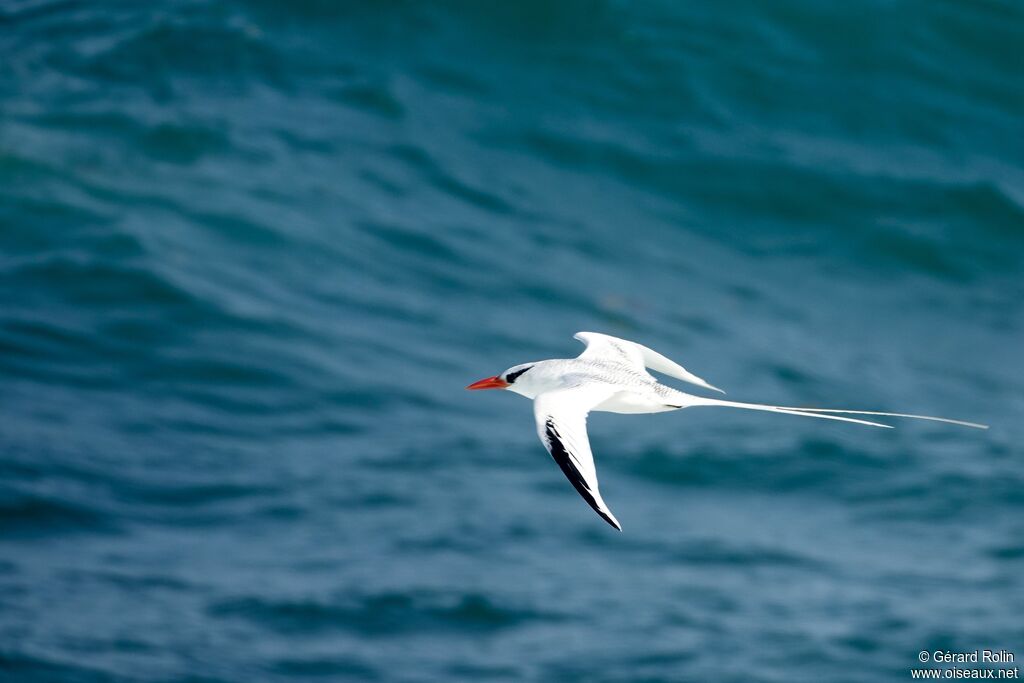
[511, 377]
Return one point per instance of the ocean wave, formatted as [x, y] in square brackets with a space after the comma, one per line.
[34, 515]
[85, 280]
[717, 552]
[381, 615]
[30, 668]
[174, 141]
[333, 668]
[813, 465]
[155, 52]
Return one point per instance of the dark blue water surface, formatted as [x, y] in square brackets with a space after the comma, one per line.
[251, 253]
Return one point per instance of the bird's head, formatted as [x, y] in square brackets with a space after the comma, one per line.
[516, 378]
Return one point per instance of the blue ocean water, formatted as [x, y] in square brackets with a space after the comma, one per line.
[251, 253]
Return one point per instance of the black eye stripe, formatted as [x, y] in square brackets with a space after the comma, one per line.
[511, 377]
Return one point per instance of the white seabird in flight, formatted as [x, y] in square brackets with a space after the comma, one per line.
[611, 375]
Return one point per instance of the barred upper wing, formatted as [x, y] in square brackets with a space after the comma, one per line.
[638, 355]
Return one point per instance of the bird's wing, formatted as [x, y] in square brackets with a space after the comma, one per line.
[638, 355]
[562, 426]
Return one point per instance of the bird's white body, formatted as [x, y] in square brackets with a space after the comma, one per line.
[611, 376]
[635, 392]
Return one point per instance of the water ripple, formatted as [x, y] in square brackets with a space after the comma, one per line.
[381, 615]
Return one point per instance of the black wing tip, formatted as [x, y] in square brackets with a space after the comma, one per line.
[561, 456]
[610, 520]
